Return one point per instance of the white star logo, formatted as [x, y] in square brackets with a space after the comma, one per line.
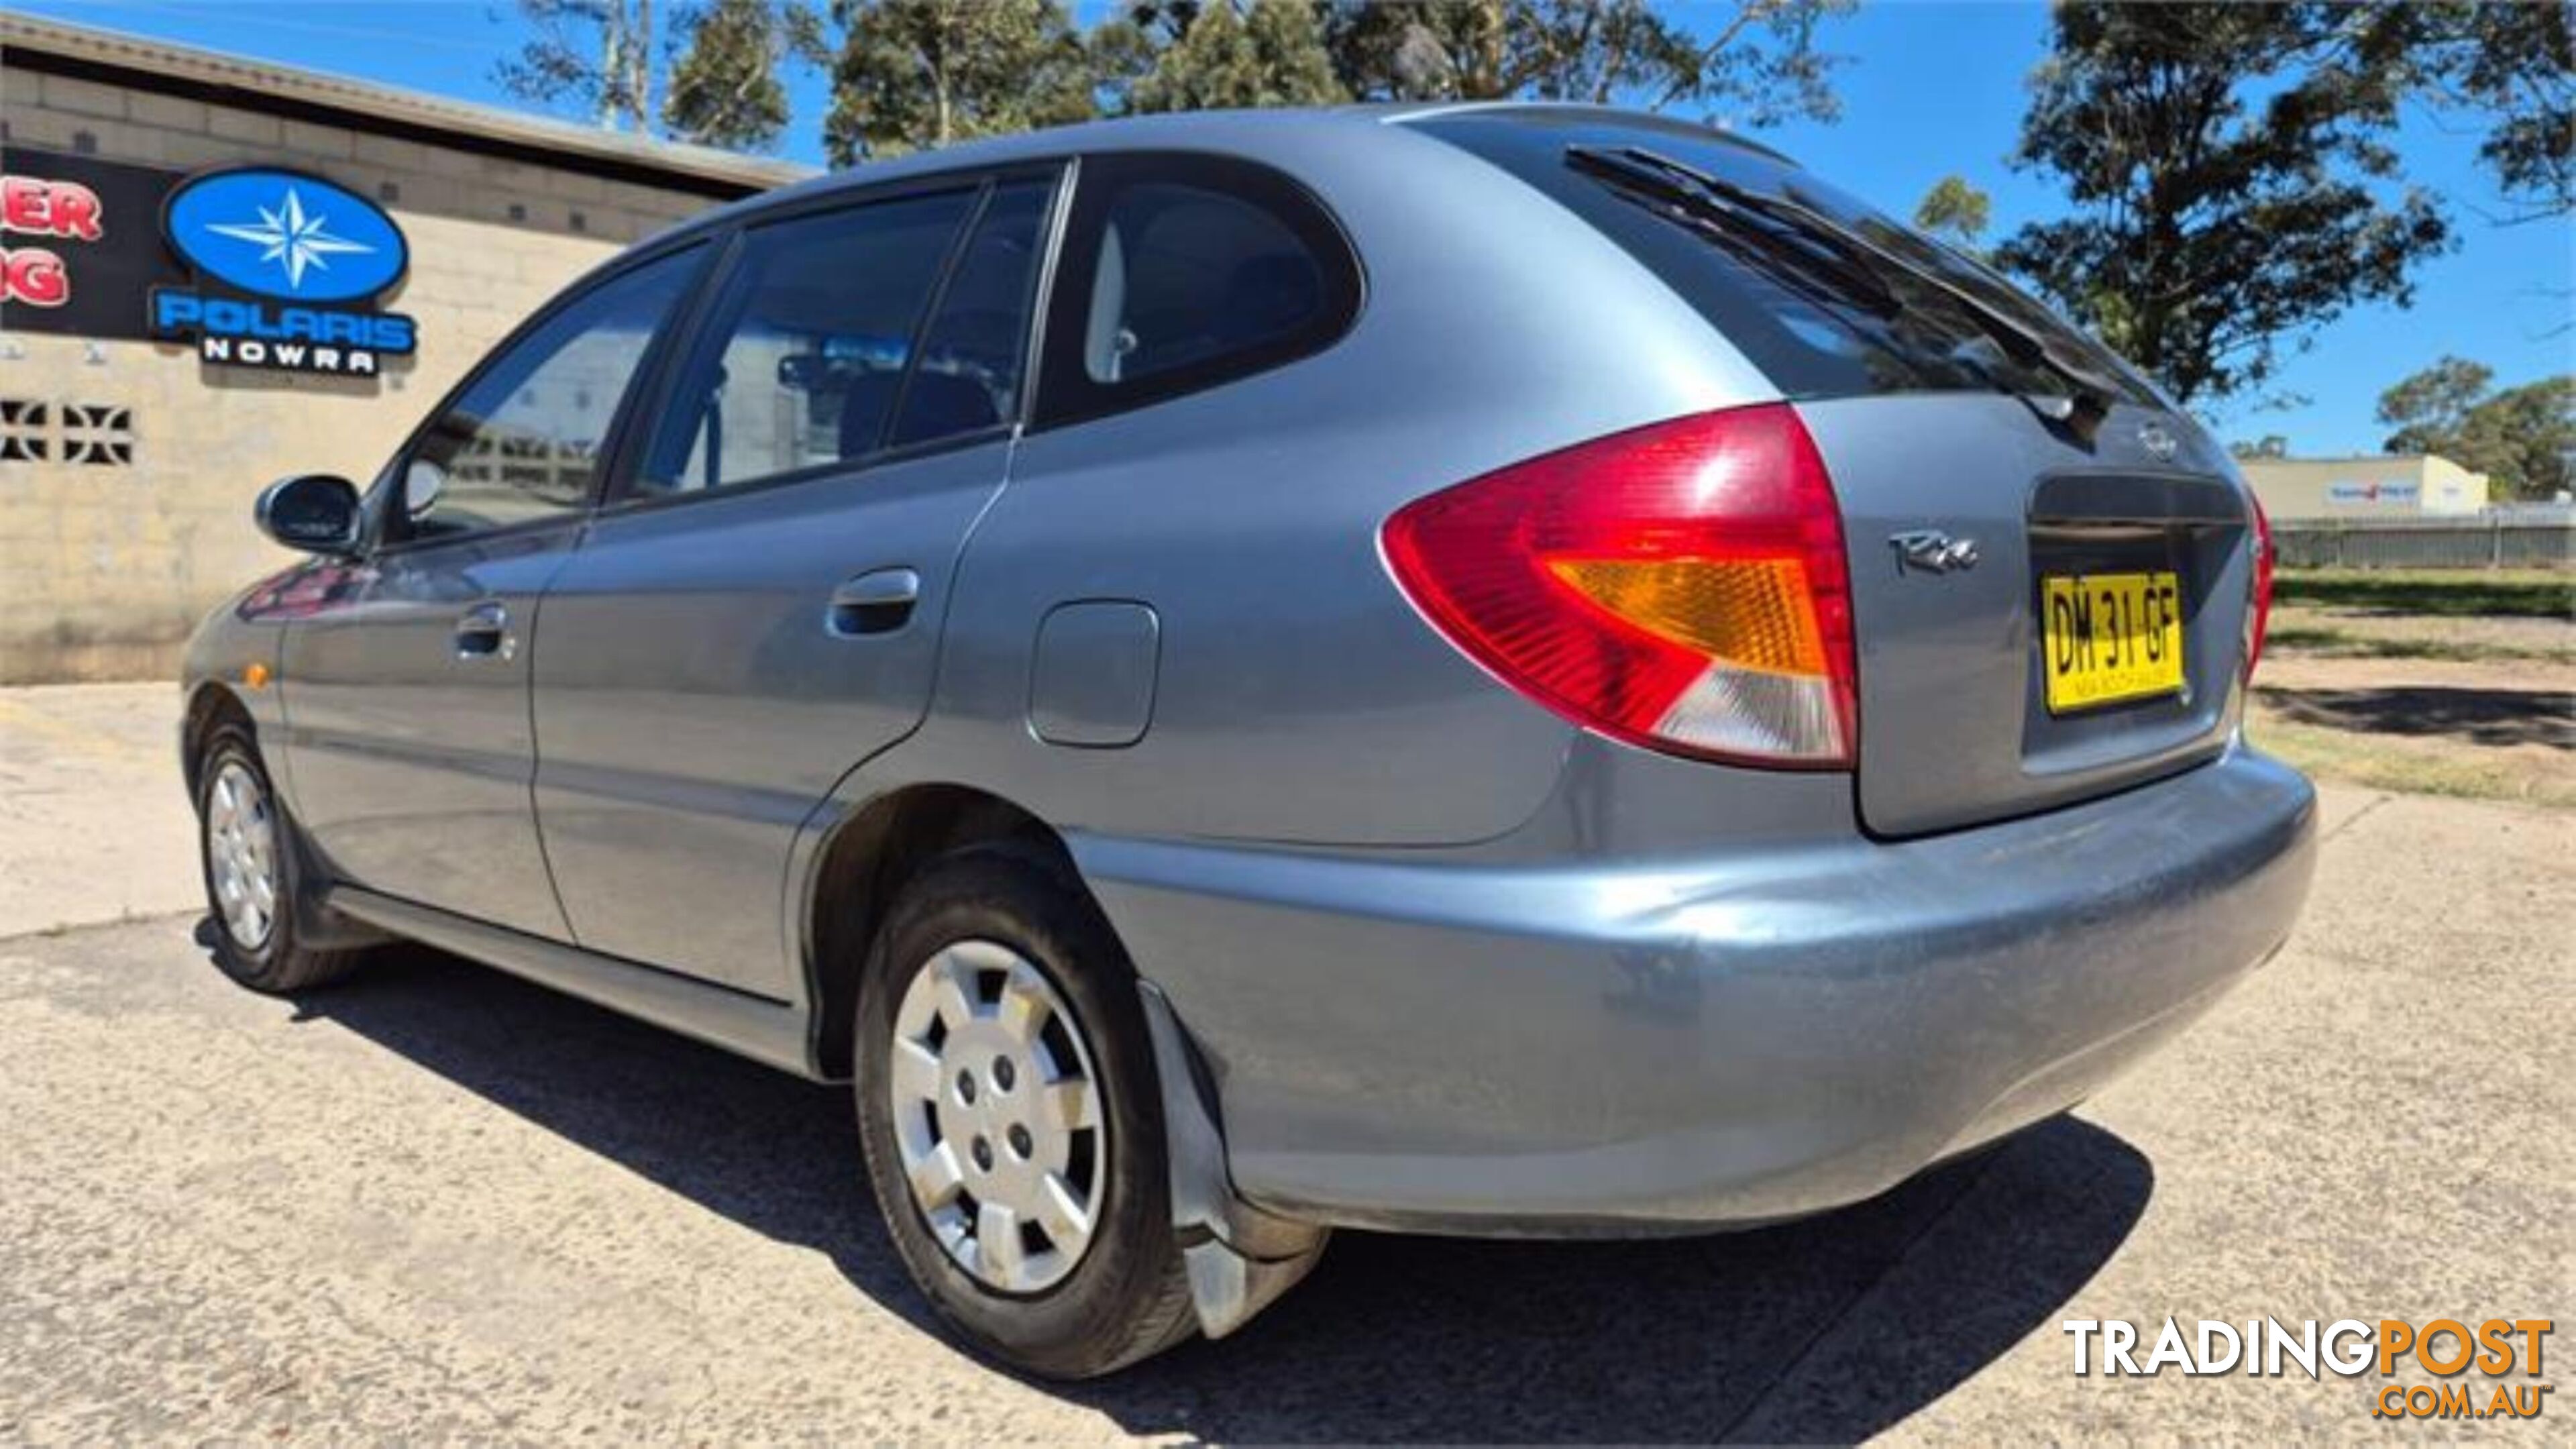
[292, 238]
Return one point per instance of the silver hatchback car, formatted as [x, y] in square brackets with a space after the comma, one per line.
[1483, 669]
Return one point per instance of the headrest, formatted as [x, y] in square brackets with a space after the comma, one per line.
[864, 405]
[1267, 295]
[941, 404]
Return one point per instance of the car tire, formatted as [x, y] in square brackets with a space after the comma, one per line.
[254, 874]
[1015, 931]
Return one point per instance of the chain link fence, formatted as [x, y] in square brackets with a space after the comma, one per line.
[2534, 537]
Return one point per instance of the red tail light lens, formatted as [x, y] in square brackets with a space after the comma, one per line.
[2258, 616]
[1681, 587]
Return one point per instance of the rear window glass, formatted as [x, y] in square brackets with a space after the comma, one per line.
[1809, 339]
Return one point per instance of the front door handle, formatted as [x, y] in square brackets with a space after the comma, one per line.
[879, 601]
[484, 632]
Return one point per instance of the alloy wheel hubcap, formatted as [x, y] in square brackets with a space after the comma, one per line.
[997, 1113]
[241, 854]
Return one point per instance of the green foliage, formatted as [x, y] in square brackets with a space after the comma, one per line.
[2519, 63]
[1230, 54]
[2515, 65]
[2521, 438]
[2270, 445]
[594, 54]
[919, 73]
[2431, 404]
[1751, 62]
[914, 73]
[1433, 50]
[724, 88]
[1954, 209]
[2231, 179]
[1125, 47]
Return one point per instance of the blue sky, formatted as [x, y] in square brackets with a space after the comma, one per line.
[1933, 86]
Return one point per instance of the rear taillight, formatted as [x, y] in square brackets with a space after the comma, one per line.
[1681, 586]
[2258, 613]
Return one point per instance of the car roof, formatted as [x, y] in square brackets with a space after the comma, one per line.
[1251, 133]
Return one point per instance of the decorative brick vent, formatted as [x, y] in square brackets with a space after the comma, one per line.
[25, 430]
[97, 435]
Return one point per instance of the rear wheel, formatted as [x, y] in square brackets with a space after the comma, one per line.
[1007, 1104]
[247, 848]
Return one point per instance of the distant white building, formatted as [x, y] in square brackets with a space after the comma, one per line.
[2381, 485]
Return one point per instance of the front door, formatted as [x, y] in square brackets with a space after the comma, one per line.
[758, 608]
[408, 743]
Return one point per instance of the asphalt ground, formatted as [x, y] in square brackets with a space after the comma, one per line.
[440, 1204]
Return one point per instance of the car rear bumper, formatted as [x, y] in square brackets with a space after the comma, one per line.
[1668, 1044]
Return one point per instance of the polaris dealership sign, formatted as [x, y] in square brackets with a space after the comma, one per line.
[288, 266]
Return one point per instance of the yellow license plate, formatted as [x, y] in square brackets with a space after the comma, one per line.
[2110, 637]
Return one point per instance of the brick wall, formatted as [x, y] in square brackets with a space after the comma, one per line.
[105, 569]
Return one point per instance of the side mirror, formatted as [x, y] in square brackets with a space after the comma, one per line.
[314, 512]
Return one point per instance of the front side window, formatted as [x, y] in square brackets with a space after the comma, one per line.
[1182, 272]
[523, 441]
[803, 362]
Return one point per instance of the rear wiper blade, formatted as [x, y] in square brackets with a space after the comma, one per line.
[1726, 223]
[1717, 197]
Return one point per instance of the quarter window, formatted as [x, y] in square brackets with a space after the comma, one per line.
[523, 441]
[1185, 271]
[1186, 275]
[804, 360]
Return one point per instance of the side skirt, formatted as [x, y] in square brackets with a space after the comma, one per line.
[770, 1032]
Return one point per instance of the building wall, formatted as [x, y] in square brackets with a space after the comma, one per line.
[2369, 487]
[105, 569]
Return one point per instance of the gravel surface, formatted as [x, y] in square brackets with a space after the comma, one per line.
[440, 1204]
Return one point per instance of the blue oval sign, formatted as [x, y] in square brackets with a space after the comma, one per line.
[284, 234]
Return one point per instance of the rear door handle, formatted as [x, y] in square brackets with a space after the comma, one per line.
[484, 632]
[879, 601]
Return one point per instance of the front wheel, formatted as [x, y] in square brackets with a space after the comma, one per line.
[246, 846]
[1007, 1104]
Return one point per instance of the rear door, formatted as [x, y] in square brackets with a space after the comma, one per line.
[406, 689]
[758, 608]
[1972, 493]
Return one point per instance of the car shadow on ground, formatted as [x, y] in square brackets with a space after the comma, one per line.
[2501, 717]
[1829, 1329]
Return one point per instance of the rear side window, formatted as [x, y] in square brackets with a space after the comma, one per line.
[968, 378]
[1181, 272]
[803, 359]
[1810, 337]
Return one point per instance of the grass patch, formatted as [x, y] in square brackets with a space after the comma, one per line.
[2383, 764]
[2523, 593]
[2344, 644]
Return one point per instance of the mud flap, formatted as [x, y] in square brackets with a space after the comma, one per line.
[1240, 1258]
